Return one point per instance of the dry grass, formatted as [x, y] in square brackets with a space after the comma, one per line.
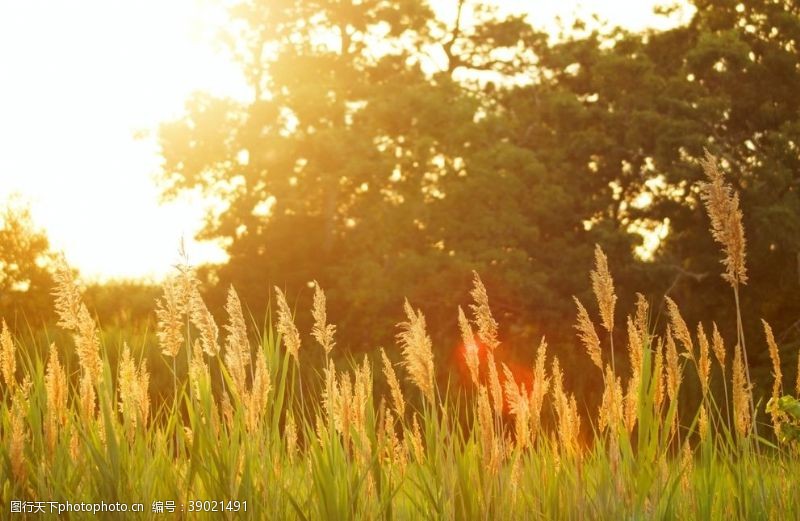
[238, 427]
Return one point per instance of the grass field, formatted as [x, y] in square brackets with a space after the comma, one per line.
[241, 432]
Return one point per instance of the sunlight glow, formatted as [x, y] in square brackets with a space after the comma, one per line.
[84, 86]
[80, 80]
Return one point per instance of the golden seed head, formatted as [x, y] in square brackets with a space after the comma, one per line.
[75, 317]
[470, 346]
[237, 346]
[204, 322]
[134, 383]
[603, 287]
[642, 309]
[635, 348]
[519, 407]
[658, 374]
[417, 351]
[322, 331]
[256, 401]
[495, 388]
[673, 370]
[702, 423]
[330, 393]
[704, 364]
[632, 402]
[487, 326]
[394, 452]
[777, 383]
[679, 328]
[198, 370]
[19, 437]
[8, 360]
[169, 314]
[566, 412]
[56, 390]
[611, 410]
[588, 335]
[127, 389]
[541, 383]
[394, 385]
[485, 420]
[68, 299]
[718, 347]
[722, 206]
[741, 394]
[286, 327]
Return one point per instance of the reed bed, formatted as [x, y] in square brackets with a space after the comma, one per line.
[239, 425]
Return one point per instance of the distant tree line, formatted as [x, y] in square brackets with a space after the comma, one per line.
[387, 154]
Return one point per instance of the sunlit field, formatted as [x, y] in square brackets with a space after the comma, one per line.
[400, 260]
[239, 432]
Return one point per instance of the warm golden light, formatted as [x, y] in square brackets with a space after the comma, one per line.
[81, 80]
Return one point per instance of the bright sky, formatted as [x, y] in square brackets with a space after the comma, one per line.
[79, 79]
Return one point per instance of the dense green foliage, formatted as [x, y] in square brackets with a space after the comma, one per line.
[394, 169]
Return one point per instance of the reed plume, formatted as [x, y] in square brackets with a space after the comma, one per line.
[588, 335]
[134, 401]
[658, 374]
[8, 359]
[256, 402]
[741, 395]
[286, 327]
[722, 206]
[519, 407]
[198, 369]
[393, 450]
[470, 346]
[718, 347]
[75, 317]
[490, 452]
[673, 369]
[237, 346]
[611, 407]
[541, 384]
[18, 437]
[679, 328]
[322, 331]
[417, 351]
[495, 387]
[394, 386]
[487, 326]
[777, 383]
[204, 322]
[566, 412]
[635, 348]
[704, 363]
[56, 390]
[640, 319]
[170, 310]
[603, 287]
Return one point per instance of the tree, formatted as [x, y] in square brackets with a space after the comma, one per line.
[631, 114]
[25, 265]
[335, 170]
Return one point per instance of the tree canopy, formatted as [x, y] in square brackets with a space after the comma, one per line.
[388, 154]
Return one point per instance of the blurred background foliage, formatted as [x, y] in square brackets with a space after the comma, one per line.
[387, 155]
